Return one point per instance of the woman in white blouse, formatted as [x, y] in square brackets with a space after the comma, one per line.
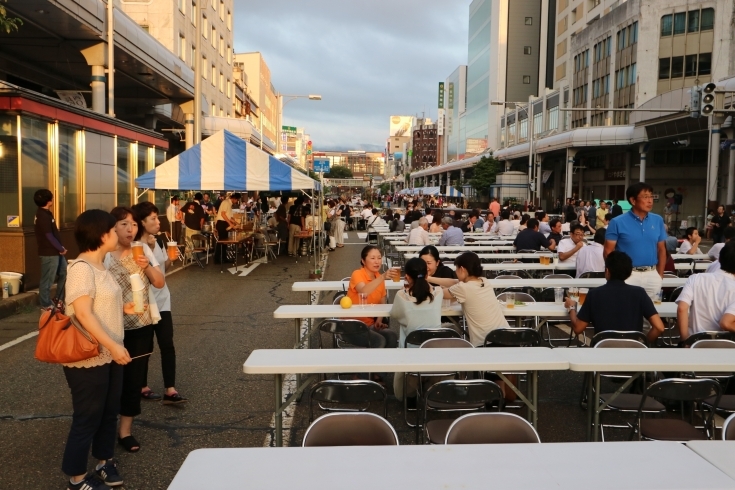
[417, 306]
[691, 242]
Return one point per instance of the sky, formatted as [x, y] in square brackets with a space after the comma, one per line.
[368, 59]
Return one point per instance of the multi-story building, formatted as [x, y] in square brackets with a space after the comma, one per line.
[244, 105]
[424, 144]
[173, 24]
[262, 91]
[358, 161]
[455, 88]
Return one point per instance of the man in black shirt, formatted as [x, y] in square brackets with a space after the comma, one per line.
[532, 239]
[469, 225]
[617, 210]
[602, 307]
[193, 216]
[555, 234]
[570, 214]
[50, 249]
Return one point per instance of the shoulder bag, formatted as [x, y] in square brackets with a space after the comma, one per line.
[62, 339]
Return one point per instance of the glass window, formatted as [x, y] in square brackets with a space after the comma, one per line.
[194, 13]
[529, 21]
[34, 163]
[705, 63]
[182, 47]
[634, 33]
[9, 168]
[67, 194]
[664, 68]
[666, 25]
[526, 79]
[607, 84]
[142, 167]
[193, 55]
[690, 65]
[708, 19]
[609, 45]
[587, 58]
[161, 199]
[204, 67]
[229, 20]
[214, 75]
[182, 6]
[526, 49]
[693, 21]
[229, 55]
[214, 37]
[677, 67]
[552, 120]
[680, 22]
[124, 196]
[631, 74]
[205, 27]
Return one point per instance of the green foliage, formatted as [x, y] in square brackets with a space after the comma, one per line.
[484, 172]
[8, 24]
[314, 175]
[339, 172]
[384, 188]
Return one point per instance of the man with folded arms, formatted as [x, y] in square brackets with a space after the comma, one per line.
[616, 305]
[706, 298]
[590, 259]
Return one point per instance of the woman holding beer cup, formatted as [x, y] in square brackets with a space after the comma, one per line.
[146, 216]
[369, 283]
[133, 257]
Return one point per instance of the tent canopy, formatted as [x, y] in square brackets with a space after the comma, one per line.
[225, 162]
[452, 192]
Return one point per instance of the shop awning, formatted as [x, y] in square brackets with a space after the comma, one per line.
[225, 162]
[452, 192]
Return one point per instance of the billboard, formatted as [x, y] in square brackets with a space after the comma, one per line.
[400, 125]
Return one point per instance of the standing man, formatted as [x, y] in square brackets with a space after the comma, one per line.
[617, 210]
[50, 249]
[592, 214]
[600, 216]
[719, 223]
[173, 214]
[207, 205]
[642, 236]
[494, 207]
[193, 216]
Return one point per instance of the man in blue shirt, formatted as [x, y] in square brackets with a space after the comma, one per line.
[452, 235]
[642, 235]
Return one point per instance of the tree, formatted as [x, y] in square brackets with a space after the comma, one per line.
[484, 172]
[339, 172]
[384, 188]
[314, 175]
[8, 24]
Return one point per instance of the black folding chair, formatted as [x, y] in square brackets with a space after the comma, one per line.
[346, 392]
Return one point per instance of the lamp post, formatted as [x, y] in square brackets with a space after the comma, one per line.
[281, 105]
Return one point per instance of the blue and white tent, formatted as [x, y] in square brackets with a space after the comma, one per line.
[225, 162]
[452, 192]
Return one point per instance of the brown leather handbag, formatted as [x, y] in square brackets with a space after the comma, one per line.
[62, 339]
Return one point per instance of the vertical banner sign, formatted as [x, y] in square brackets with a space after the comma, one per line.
[441, 95]
[451, 95]
[440, 123]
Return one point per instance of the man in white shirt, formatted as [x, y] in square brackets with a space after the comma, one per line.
[490, 226]
[589, 258]
[728, 234]
[706, 297]
[375, 220]
[690, 245]
[569, 247]
[505, 227]
[420, 234]
[173, 214]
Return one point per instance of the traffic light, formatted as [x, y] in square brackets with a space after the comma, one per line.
[694, 106]
[707, 103]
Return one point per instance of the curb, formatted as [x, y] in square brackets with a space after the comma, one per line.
[10, 306]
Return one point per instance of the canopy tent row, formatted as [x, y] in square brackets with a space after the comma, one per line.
[224, 161]
[452, 192]
[426, 191]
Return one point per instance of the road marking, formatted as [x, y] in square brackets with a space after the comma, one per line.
[362, 236]
[18, 340]
[243, 270]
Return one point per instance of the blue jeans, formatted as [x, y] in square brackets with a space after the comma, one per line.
[50, 267]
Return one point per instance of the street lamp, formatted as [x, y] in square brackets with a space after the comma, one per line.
[281, 105]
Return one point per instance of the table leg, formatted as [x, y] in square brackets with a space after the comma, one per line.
[597, 407]
[298, 345]
[534, 396]
[519, 322]
[590, 408]
[278, 429]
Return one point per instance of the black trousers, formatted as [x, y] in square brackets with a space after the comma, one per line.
[95, 396]
[164, 331]
[220, 254]
[138, 341]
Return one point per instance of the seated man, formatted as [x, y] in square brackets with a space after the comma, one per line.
[420, 234]
[691, 242]
[532, 239]
[708, 295]
[452, 235]
[375, 220]
[556, 235]
[590, 258]
[544, 226]
[569, 247]
[602, 307]
[469, 225]
[714, 252]
[490, 226]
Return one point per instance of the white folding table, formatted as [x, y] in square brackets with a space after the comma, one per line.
[719, 453]
[640, 360]
[317, 361]
[546, 466]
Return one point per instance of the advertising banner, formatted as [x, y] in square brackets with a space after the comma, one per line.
[400, 125]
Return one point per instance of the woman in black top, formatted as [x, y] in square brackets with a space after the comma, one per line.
[439, 274]
[719, 223]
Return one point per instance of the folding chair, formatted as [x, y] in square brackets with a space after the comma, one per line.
[347, 392]
[558, 276]
[592, 275]
[271, 241]
[491, 428]
[353, 330]
[350, 429]
[727, 402]
[682, 390]
[728, 429]
[201, 245]
[455, 396]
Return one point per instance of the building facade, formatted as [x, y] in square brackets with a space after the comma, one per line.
[424, 144]
[262, 91]
[363, 164]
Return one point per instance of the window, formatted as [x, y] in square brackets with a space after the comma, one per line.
[221, 83]
[526, 49]
[677, 67]
[666, 25]
[214, 110]
[194, 13]
[34, 164]
[634, 33]
[221, 112]
[680, 22]
[229, 20]
[529, 21]
[609, 45]
[222, 10]
[708, 19]
[145, 28]
[587, 58]
[229, 55]
[526, 79]
[182, 6]
[221, 47]
[68, 185]
[182, 47]
[607, 84]
[552, 120]
[621, 39]
[664, 68]
[205, 27]
[193, 56]
[229, 89]
[690, 65]
[693, 21]
[705, 63]
[631, 74]
[205, 67]
[214, 75]
[214, 37]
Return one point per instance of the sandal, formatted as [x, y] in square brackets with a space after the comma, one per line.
[129, 443]
[150, 395]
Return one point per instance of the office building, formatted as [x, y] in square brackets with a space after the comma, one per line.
[261, 91]
[424, 143]
[363, 164]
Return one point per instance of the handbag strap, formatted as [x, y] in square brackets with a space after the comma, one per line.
[59, 293]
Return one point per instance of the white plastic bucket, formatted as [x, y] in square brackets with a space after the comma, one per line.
[13, 279]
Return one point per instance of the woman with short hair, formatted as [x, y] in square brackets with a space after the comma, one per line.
[437, 273]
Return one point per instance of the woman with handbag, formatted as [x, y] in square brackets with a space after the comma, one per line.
[146, 216]
[95, 383]
[138, 328]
